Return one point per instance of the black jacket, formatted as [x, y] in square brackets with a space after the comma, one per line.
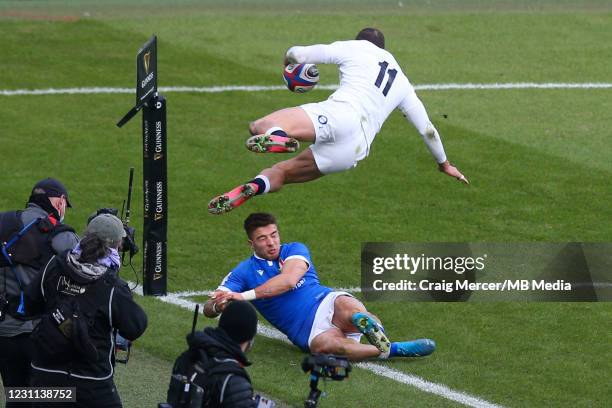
[230, 390]
[106, 303]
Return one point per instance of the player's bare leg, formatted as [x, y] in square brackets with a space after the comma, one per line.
[344, 309]
[281, 131]
[299, 169]
[351, 316]
[333, 341]
[294, 121]
[350, 312]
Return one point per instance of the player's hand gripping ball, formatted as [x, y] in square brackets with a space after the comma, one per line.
[301, 78]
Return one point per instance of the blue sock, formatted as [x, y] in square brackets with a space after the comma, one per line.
[393, 350]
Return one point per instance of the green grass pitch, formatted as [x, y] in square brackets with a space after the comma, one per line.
[539, 160]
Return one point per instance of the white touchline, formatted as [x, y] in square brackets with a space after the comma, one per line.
[427, 386]
[192, 293]
[259, 88]
[207, 292]
[178, 299]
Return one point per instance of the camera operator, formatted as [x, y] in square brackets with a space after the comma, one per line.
[221, 352]
[84, 300]
[20, 263]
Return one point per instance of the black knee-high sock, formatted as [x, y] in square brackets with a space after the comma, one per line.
[261, 185]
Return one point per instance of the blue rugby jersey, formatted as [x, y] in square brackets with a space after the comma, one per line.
[292, 312]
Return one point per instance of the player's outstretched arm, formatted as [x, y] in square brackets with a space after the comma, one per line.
[313, 54]
[414, 111]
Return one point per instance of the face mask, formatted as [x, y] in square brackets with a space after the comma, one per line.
[62, 213]
[249, 345]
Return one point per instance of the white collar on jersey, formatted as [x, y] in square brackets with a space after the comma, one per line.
[270, 263]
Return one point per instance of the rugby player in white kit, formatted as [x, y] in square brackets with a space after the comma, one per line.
[342, 128]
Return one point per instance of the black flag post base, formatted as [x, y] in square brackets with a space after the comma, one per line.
[155, 187]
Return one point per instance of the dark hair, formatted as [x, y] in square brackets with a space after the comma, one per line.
[92, 248]
[373, 35]
[257, 220]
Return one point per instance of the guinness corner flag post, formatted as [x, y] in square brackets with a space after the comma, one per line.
[155, 183]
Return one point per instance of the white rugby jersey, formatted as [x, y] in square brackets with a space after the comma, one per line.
[370, 78]
[372, 82]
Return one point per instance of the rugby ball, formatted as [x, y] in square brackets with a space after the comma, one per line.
[301, 78]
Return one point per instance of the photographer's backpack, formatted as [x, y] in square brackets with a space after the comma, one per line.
[63, 333]
[26, 245]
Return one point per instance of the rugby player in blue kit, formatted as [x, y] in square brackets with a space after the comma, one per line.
[282, 283]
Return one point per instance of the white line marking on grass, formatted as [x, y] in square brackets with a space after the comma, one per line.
[517, 85]
[207, 292]
[427, 386]
[65, 91]
[193, 293]
[353, 289]
[443, 391]
[259, 88]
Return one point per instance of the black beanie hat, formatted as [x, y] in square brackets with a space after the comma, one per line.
[239, 321]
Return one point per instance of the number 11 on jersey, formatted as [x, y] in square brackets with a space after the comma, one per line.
[381, 75]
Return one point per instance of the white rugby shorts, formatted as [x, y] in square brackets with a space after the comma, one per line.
[325, 314]
[340, 137]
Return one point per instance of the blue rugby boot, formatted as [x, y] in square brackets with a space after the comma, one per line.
[373, 331]
[414, 348]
